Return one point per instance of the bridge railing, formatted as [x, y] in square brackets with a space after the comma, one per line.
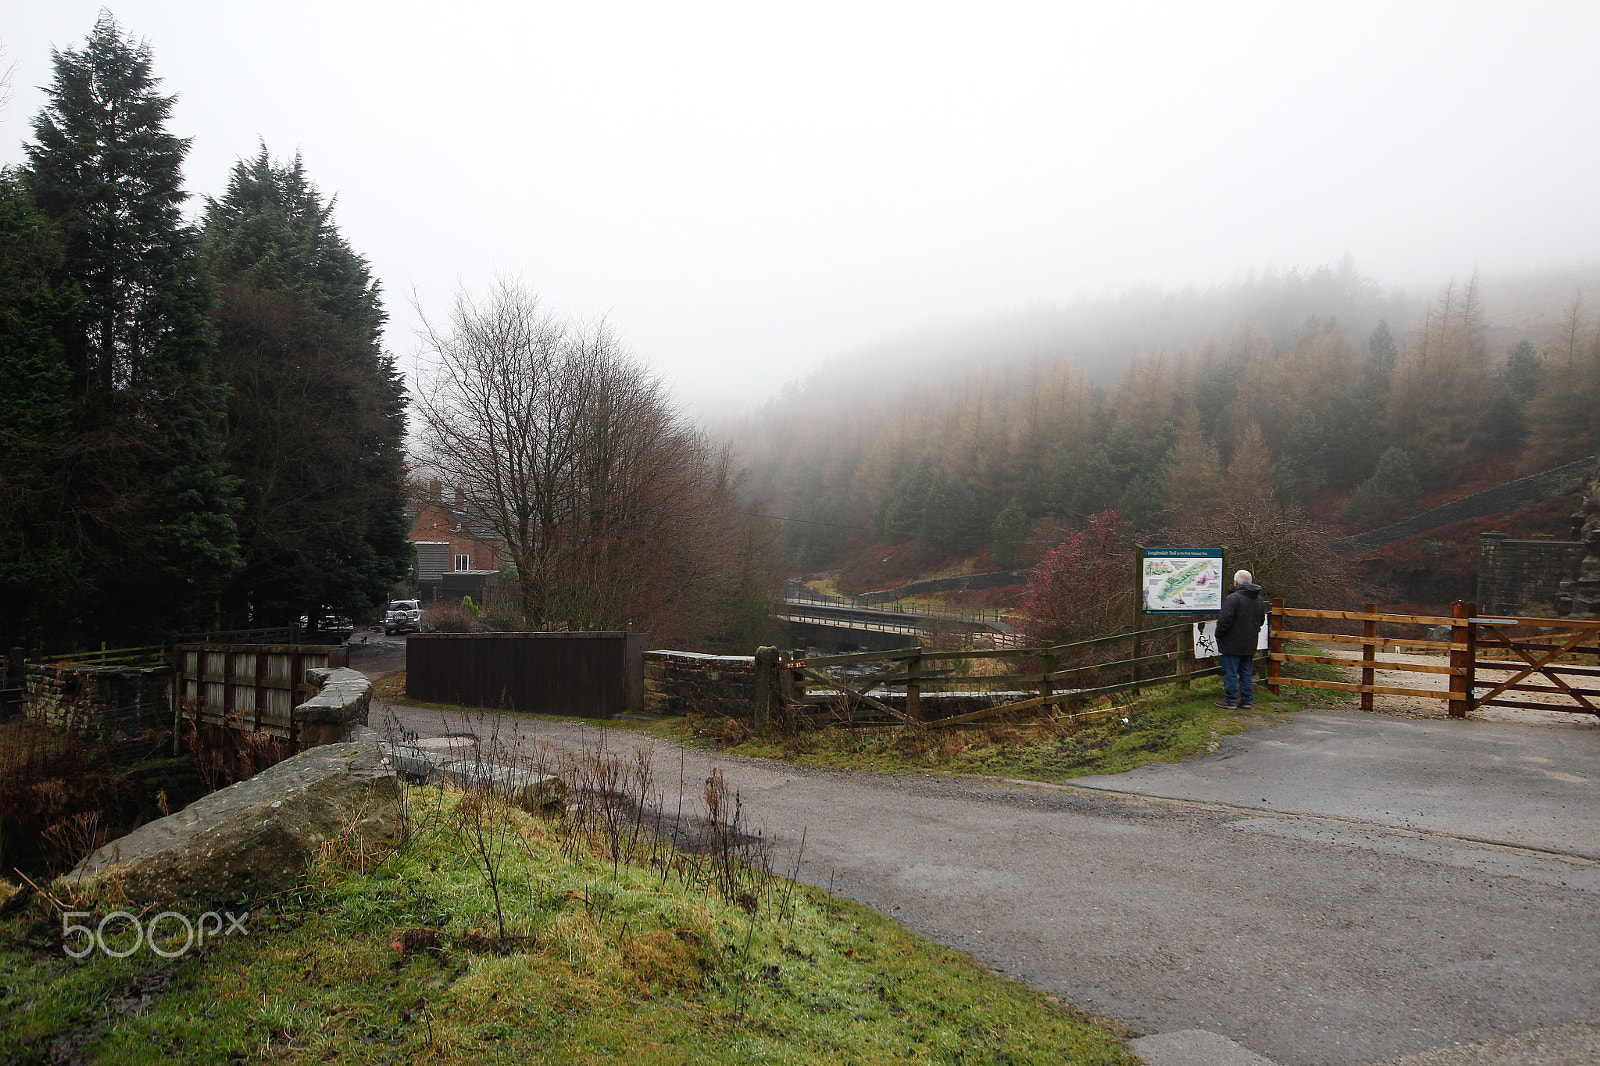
[800, 595]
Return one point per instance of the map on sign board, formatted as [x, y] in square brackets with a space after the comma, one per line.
[1184, 582]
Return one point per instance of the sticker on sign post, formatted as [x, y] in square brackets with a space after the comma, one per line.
[1205, 640]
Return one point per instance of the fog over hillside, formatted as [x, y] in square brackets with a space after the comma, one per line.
[1100, 336]
[1322, 392]
[747, 191]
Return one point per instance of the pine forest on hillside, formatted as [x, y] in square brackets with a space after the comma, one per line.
[1314, 403]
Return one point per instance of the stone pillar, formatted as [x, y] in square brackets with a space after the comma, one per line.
[1580, 596]
[1491, 579]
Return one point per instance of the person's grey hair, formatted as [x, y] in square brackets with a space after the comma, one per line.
[1241, 577]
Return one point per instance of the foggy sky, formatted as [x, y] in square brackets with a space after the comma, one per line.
[745, 190]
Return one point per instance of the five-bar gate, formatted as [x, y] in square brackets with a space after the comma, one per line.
[1493, 662]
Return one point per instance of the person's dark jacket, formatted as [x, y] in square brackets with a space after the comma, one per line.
[1239, 623]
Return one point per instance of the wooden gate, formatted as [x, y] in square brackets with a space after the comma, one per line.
[1489, 658]
[1558, 658]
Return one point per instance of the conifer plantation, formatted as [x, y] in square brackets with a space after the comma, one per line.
[133, 535]
[198, 426]
[1275, 416]
[315, 426]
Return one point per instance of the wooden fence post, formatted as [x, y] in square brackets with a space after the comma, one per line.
[177, 701]
[1274, 646]
[1184, 667]
[914, 688]
[261, 686]
[1369, 652]
[299, 692]
[1463, 658]
[1047, 666]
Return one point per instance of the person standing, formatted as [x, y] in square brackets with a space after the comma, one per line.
[1238, 627]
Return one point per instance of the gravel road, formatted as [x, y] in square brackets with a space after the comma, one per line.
[1326, 930]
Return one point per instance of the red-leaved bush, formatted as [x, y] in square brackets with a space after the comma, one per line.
[1084, 587]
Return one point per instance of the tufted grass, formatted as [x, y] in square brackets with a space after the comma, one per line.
[641, 962]
[1162, 724]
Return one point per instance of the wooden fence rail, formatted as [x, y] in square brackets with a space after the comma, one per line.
[921, 681]
[1558, 659]
[249, 686]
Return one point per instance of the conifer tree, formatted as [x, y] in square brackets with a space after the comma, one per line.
[40, 576]
[1194, 482]
[1250, 468]
[1562, 411]
[150, 501]
[316, 416]
[1009, 530]
[1390, 494]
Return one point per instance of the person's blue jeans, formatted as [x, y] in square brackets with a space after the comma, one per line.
[1238, 680]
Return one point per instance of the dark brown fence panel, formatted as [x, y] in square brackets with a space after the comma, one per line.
[593, 675]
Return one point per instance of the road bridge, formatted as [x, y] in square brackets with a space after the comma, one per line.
[836, 623]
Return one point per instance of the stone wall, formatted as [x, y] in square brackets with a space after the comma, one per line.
[1502, 499]
[1523, 576]
[680, 681]
[253, 838]
[1580, 596]
[337, 712]
[126, 706]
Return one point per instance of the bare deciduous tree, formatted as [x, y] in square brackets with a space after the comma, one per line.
[614, 511]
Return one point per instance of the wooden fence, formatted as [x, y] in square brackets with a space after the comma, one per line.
[1532, 656]
[250, 686]
[1483, 662]
[918, 687]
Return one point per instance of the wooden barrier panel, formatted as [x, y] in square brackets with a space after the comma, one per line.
[1038, 680]
[593, 675]
[249, 686]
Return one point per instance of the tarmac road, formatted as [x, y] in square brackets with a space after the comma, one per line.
[1339, 889]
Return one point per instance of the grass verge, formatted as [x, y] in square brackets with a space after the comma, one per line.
[564, 955]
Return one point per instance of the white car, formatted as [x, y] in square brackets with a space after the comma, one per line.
[404, 616]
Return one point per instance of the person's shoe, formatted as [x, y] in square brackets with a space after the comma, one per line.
[1227, 706]
[1246, 706]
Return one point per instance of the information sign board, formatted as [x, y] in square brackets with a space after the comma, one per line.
[1180, 581]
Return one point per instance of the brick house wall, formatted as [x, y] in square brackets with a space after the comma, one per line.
[435, 521]
[440, 524]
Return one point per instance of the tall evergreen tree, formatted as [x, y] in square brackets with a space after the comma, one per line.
[150, 504]
[40, 576]
[316, 417]
[1383, 353]
[1010, 531]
